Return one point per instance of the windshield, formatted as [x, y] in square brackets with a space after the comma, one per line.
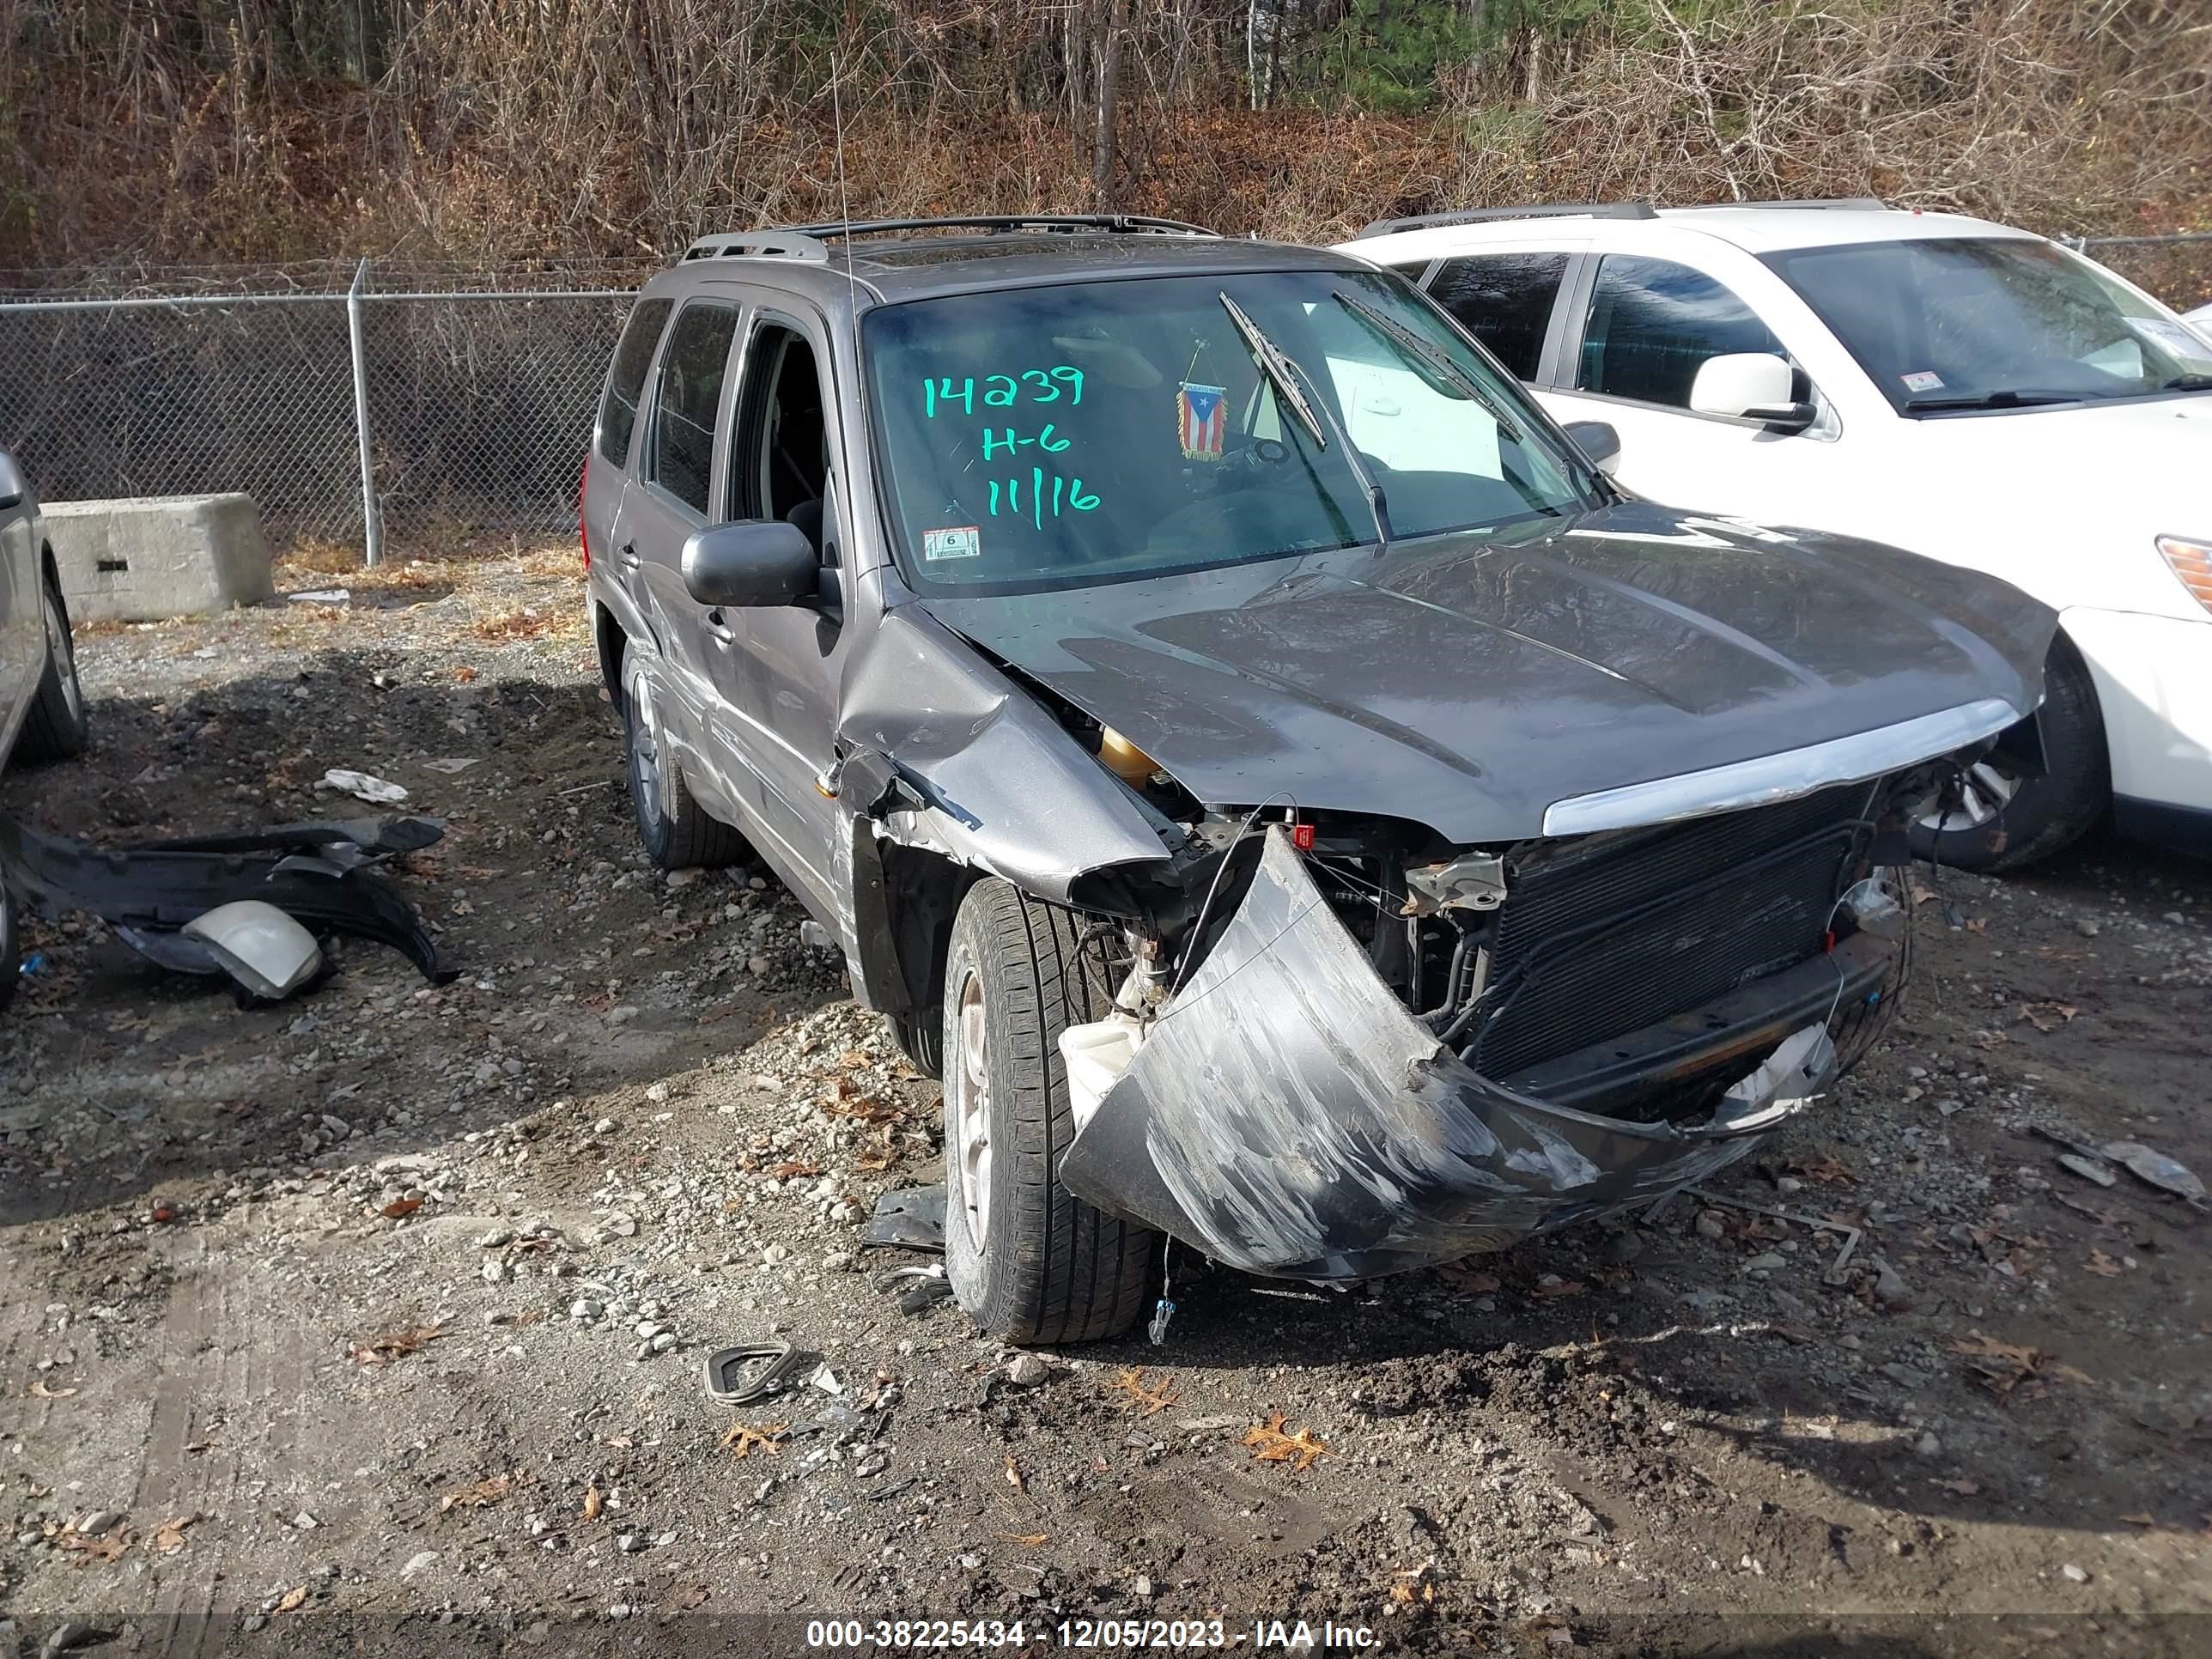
[1061, 436]
[1992, 323]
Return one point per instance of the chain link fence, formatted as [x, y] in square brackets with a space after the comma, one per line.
[476, 392]
[477, 402]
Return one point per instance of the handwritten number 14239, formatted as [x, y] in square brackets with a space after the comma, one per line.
[1043, 386]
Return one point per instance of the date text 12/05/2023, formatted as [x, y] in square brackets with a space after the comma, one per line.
[1042, 492]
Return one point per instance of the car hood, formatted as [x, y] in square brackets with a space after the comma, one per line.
[1468, 682]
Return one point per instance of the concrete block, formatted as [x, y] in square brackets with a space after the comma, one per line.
[157, 556]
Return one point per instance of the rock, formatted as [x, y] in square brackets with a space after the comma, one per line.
[2088, 928]
[1789, 1186]
[498, 1239]
[775, 1256]
[100, 1522]
[585, 1308]
[605, 1125]
[494, 1270]
[2078, 1575]
[1709, 1225]
[658, 1092]
[1928, 1446]
[1891, 1290]
[662, 1342]
[417, 1562]
[648, 1328]
[339, 1127]
[1026, 1370]
[630, 1543]
[1765, 1261]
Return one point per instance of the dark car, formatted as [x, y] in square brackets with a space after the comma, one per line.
[1299, 805]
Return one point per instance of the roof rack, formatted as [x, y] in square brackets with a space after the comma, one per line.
[1601, 210]
[1475, 216]
[759, 244]
[805, 241]
[1130, 224]
[1859, 204]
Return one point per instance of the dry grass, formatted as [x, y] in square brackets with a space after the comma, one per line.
[499, 135]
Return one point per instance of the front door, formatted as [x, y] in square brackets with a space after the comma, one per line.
[780, 665]
[1643, 329]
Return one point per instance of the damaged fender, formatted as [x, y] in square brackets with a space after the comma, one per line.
[1286, 1115]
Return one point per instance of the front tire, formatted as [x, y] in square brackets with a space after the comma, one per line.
[2029, 817]
[676, 832]
[56, 726]
[1029, 1260]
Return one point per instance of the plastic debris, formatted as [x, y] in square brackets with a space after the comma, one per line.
[259, 945]
[2156, 1168]
[911, 1218]
[2088, 1168]
[363, 787]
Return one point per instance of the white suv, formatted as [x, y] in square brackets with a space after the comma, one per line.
[1971, 392]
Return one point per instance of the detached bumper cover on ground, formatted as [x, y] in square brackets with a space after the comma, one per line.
[1288, 1116]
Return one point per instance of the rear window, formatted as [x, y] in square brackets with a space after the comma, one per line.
[626, 384]
[1504, 300]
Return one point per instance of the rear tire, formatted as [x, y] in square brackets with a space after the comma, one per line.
[10, 970]
[1029, 1260]
[676, 832]
[56, 726]
[2031, 817]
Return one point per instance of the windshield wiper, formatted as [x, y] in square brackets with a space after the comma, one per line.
[1282, 371]
[1438, 360]
[2003, 397]
[2191, 381]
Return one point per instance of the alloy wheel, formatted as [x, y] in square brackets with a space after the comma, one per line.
[971, 1113]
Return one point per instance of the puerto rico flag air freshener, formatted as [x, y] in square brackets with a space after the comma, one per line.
[1200, 420]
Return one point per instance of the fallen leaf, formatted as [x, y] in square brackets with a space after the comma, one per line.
[1978, 924]
[395, 1344]
[293, 1599]
[695, 1596]
[740, 1439]
[1130, 1385]
[490, 1490]
[1416, 1588]
[40, 1390]
[2102, 1265]
[594, 1500]
[1014, 1475]
[2047, 1016]
[464, 675]
[792, 1171]
[169, 1536]
[2002, 1367]
[1550, 1284]
[1027, 1541]
[399, 1208]
[2141, 1518]
[1271, 1444]
[1959, 1488]
[108, 1547]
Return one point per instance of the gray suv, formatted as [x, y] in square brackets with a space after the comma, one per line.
[41, 707]
[1298, 805]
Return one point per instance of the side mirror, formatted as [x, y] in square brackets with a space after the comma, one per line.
[1750, 385]
[11, 481]
[752, 563]
[1599, 443]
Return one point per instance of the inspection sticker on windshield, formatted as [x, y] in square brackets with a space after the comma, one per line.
[961, 541]
[1922, 380]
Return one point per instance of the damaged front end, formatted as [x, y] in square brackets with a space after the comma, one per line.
[1370, 1062]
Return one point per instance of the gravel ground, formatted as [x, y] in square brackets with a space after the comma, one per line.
[377, 1320]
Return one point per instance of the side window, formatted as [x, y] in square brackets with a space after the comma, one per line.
[1653, 323]
[626, 381]
[1504, 300]
[691, 371]
[780, 468]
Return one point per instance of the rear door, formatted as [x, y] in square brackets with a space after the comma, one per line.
[670, 496]
[23, 623]
[615, 442]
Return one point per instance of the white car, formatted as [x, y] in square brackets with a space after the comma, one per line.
[1967, 390]
[2200, 319]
